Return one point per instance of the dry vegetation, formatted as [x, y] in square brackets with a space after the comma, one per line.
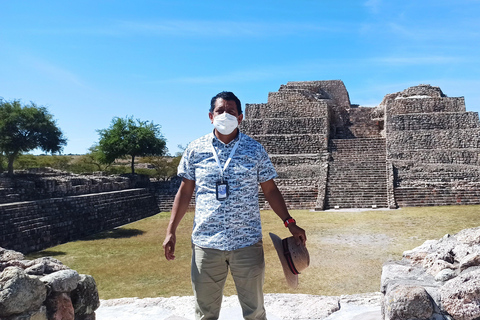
[347, 251]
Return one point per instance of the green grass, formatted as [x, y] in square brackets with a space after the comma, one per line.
[347, 251]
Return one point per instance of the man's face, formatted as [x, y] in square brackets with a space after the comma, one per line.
[228, 106]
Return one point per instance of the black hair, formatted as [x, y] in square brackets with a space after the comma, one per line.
[228, 96]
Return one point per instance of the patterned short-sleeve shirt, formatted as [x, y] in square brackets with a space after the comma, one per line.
[233, 223]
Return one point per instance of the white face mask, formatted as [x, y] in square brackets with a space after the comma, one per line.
[225, 123]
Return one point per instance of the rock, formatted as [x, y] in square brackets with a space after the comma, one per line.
[454, 292]
[8, 255]
[50, 264]
[38, 270]
[401, 272]
[91, 316]
[85, 297]
[471, 260]
[461, 296]
[41, 289]
[11, 263]
[419, 253]
[59, 307]
[19, 292]
[469, 236]
[462, 250]
[40, 314]
[439, 265]
[407, 302]
[445, 275]
[62, 281]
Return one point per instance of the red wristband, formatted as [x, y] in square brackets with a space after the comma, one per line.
[288, 221]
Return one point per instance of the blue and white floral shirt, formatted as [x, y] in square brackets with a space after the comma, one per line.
[233, 223]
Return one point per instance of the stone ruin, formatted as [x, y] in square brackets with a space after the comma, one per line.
[44, 289]
[41, 208]
[439, 280]
[418, 147]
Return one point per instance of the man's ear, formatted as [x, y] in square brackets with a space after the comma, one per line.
[210, 115]
[240, 118]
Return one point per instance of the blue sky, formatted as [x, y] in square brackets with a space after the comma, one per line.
[162, 61]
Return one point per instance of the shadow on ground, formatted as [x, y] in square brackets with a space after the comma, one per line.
[116, 234]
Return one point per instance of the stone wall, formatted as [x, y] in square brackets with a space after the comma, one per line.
[43, 183]
[165, 192]
[435, 121]
[36, 225]
[419, 140]
[44, 289]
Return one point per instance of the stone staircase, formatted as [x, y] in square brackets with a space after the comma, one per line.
[357, 174]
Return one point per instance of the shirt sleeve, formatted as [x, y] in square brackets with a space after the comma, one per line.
[266, 170]
[185, 167]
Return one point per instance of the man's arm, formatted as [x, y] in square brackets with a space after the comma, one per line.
[276, 201]
[179, 208]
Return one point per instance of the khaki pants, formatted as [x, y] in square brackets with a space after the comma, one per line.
[209, 272]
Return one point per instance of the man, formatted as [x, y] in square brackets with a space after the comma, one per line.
[225, 168]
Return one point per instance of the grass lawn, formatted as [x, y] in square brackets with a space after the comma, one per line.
[347, 251]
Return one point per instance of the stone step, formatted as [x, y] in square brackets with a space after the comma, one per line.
[356, 186]
[348, 205]
[341, 171]
[357, 174]
[406, 197]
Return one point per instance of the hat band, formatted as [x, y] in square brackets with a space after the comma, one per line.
[288, 257]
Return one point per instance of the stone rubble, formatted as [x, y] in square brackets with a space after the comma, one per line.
[438, 280]
[43, 289]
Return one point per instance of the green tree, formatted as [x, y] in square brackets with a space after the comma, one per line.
[25, 128]
[93, 159]
[2, 162]
[165, 167]
[127, 137]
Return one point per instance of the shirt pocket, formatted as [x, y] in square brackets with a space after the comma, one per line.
[245, 167]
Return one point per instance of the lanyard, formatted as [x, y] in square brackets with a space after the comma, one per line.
[229, 157]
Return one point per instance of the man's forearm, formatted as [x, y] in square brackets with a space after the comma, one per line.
[277, 203]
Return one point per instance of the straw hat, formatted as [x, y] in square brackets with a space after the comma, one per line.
[294, 258]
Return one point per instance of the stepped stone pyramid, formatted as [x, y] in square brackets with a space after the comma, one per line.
[433, 144]
[418, 147]
[293, 127]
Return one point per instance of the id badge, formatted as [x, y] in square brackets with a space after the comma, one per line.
[222, 190]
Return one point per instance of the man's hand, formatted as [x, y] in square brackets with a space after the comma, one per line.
[298, 233]
[179, 208]
[169, 246]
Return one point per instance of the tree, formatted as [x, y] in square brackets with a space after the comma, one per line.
[25, 128]
[165, 167]
[95, 158]
[127, 137]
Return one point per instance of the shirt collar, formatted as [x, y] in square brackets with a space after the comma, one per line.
[216, 140]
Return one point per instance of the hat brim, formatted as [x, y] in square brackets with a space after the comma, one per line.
[292, 279]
